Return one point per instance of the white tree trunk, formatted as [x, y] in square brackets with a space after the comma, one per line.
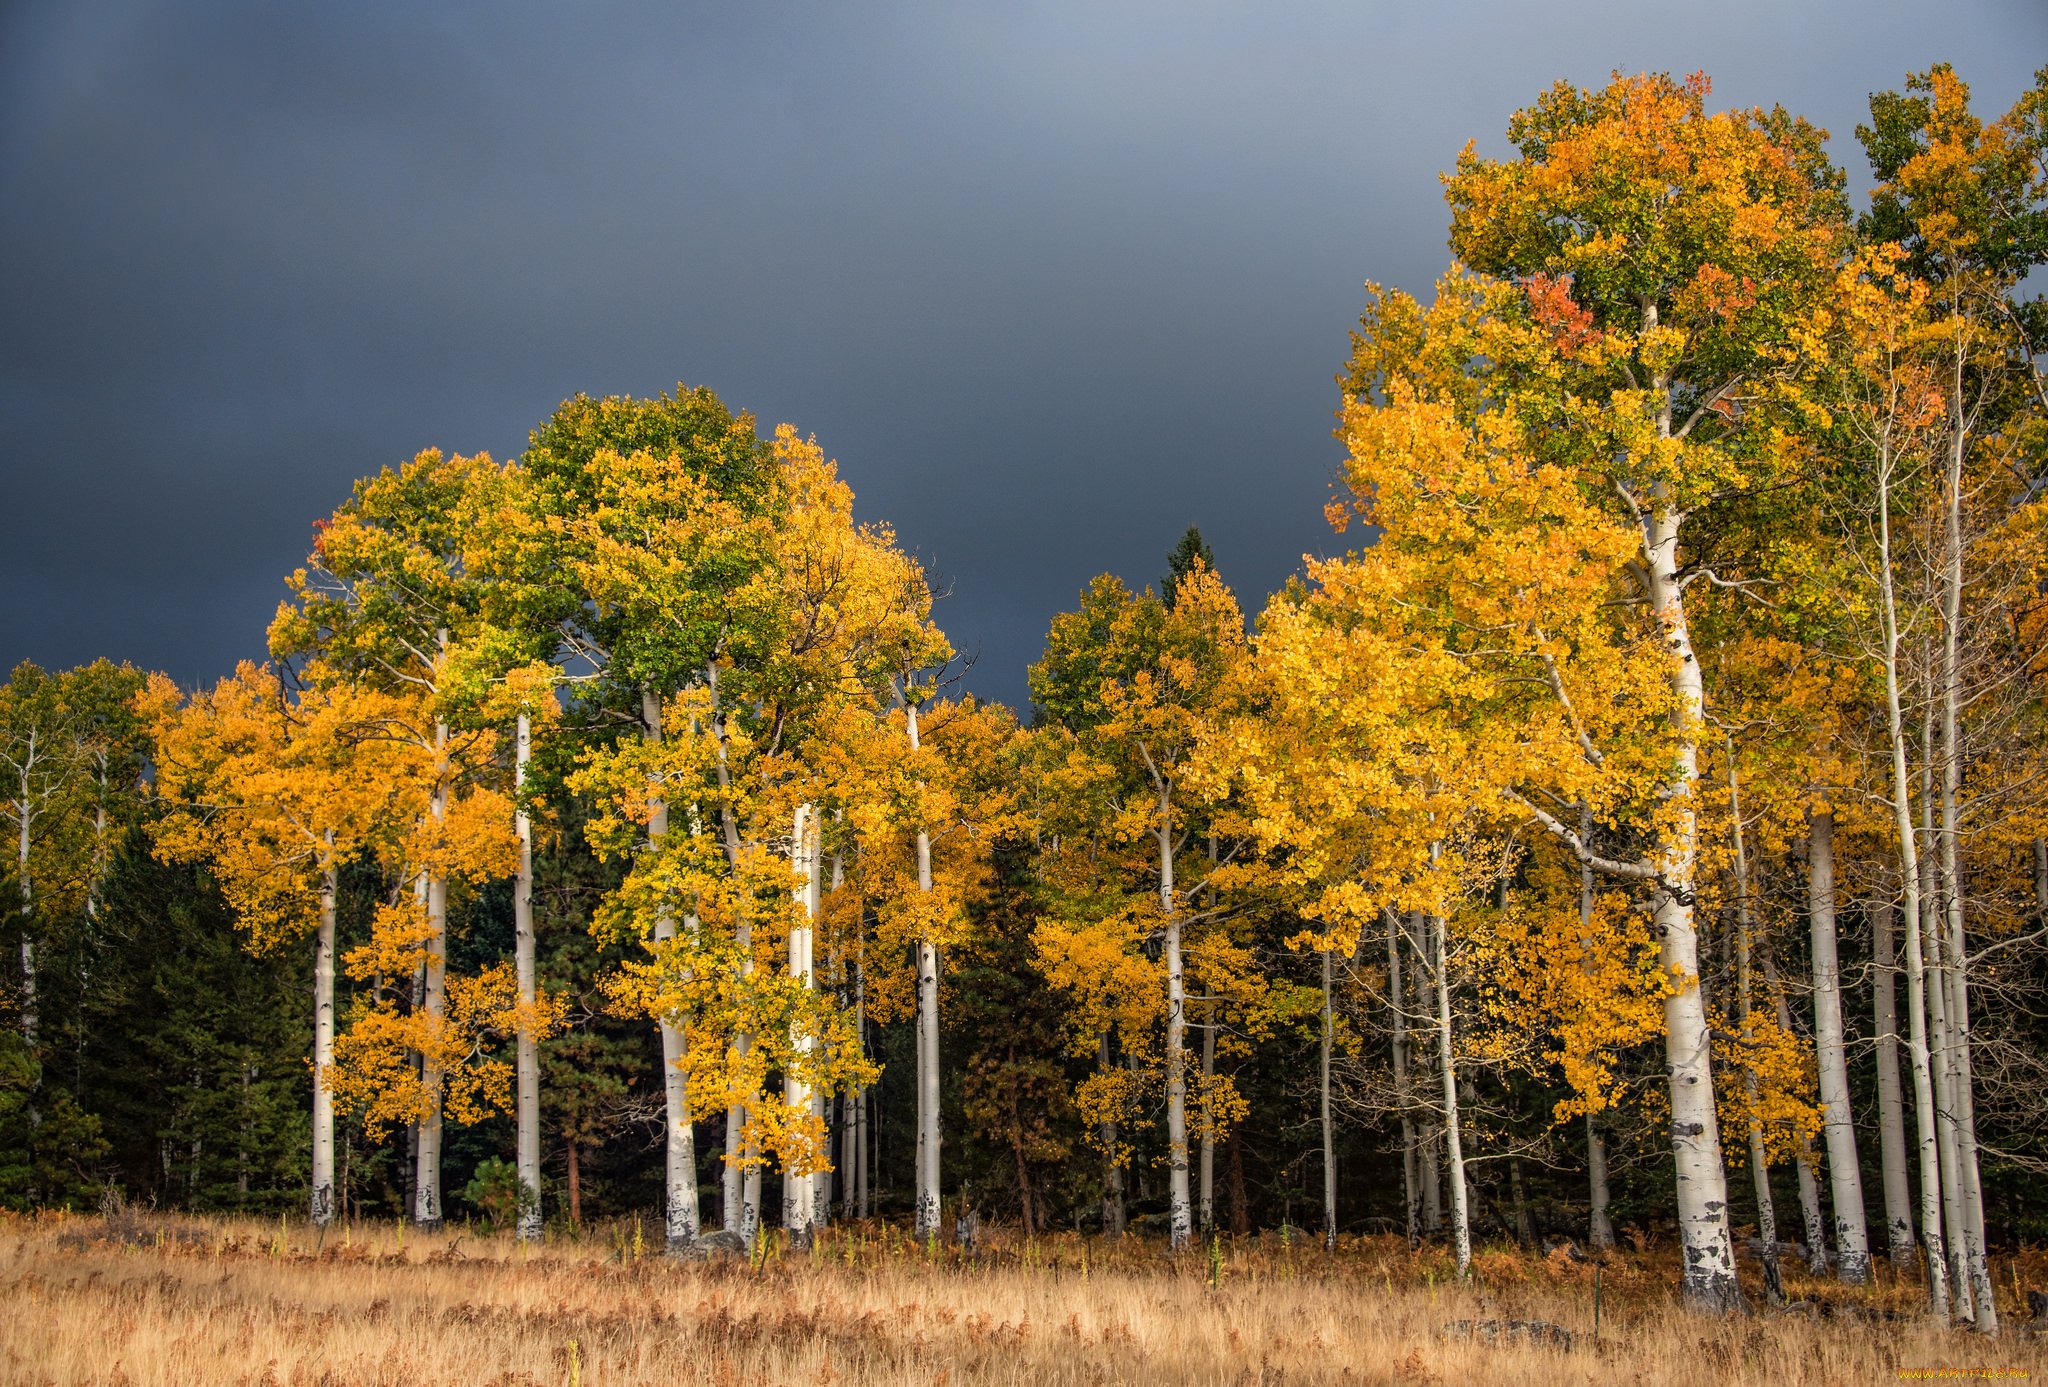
[1891, 1113]
[1397, 997]
[1708, 1246]
[821, 1104]
[323, 1199]
[426, 1208]
[1461, 1221]
[527, 1054]
[1971, 1193]
[28, 916]
[859, 1134]
[928, 1191]
[1207, 1217]
[1759, 1153]
[1329, 1130]
[1805, 1162]
[740, 1182]
[680, 1216]
[1600, 1232]
[1961, 1288]
[1909, 879]
[1179, 1207]
[1845, 1177]
[1600, 1229]
[798, 1191]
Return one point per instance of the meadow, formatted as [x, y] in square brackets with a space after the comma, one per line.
[140, 1300]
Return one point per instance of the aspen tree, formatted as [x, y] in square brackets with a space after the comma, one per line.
[1963, 200]
[1135, 679]
[276, 791]
[659, 512]
[1632, 272]
[386, 598]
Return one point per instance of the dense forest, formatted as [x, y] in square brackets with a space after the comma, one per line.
[1642, 832]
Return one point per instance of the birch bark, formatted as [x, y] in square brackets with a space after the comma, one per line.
[928, 1197]
[1891, 1123]
[1461, 1222]
[740, 1182]
[1909, 880]
[426, 1209]
[798, 1198]
[1759, 1153]
[1411, 1193]
[1708, 1280]
[680, 1217]
[1179, 1219]
[1845, 1178]
[1329, 1131]
[323, 1198]
[526, 1052]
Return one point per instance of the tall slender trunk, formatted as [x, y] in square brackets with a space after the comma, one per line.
[1113, 1179]
[1430, 1140]
[1240, 1205]
[527, 1053]
[1961, 1286]
[1329, 1131]
[870, 1148]
[1461, 1220]
[849, 1150]
[740, 1183]
[322, 1203]
[798, 1203]
[426, 1206]
[1709, 1250]
[1525, 1217]
[1909, 880]
[1891, 1116]
[1397, 997]
[1845, 1176]
[822, 1107]
[928, 1192]
[25, 815]
[1179, 1210]
[1027, 1215]
[1600, 1227]
[1972, 1191]
[1207, 1206]
[1805, 1160]
[574, 1158]
[860, 1165]
[1759, 1153]
[680, 1217]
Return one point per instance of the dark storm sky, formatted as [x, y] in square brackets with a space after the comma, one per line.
[1053, 282]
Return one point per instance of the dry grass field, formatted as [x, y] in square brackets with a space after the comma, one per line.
[148, 1300]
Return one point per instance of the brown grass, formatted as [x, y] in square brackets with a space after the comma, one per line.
[159, 1300]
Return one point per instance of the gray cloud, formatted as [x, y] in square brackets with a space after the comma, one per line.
[1053, 282]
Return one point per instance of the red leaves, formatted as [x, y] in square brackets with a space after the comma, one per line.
[1555, 311]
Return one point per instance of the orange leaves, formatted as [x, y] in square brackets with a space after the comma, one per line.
[276, 790]
[375, 1072]
[1590, 986]
[1715, 293]
[1550, 304]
